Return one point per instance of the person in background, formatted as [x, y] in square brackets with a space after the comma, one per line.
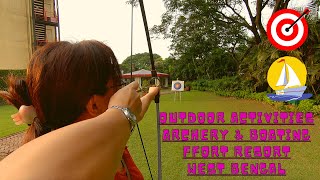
[69, 83]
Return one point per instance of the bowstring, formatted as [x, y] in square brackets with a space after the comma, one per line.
[144, 150]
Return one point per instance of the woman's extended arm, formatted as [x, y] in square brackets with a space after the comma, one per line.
[86, 150]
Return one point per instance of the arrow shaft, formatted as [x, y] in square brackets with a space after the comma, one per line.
[304, 13]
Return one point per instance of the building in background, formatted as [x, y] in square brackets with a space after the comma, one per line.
[145, 75]
[25, 26]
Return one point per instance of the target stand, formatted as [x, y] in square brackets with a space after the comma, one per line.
[177, 93]
[287, 29]
[177, 87]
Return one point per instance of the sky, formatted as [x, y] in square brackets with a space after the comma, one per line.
[110, 21]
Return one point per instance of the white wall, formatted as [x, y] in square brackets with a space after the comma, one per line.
[15, 34]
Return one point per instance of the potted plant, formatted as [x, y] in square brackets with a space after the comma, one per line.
[187, 86]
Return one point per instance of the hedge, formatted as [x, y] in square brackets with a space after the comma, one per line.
[233, 87]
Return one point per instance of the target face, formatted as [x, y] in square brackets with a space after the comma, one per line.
[283, 38]
[177, 86]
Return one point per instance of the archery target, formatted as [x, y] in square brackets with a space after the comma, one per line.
[280, 37]
[177, 86]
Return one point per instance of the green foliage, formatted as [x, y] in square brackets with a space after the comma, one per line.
[306, 105]
[145, 85]
[310, 54]
[210, 44]
[232, 87]
[316, 109]
[201, 43]
[4, 77]
[223, 84]
[212, 48]
[139, 61]
[317, 100]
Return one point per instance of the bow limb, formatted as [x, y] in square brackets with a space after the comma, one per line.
[155, 77]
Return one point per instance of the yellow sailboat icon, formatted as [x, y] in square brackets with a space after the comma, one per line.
[287, 76]
[289, 79]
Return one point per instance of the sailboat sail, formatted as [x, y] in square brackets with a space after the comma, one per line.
[293, 89]
[282, 81]
[293, 79]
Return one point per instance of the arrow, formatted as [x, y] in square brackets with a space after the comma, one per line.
[305, 12]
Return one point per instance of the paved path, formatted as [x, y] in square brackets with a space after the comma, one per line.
[10, 143]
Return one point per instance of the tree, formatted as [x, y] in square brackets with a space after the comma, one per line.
[226, 18]
[133, 2]
[139, 61]
[198, 41]
[310, 53]
[255, 65]
[204, 32]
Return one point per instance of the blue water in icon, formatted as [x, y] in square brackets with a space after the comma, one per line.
[275, 97]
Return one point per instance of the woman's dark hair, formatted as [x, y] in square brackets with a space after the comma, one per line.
[61, 78]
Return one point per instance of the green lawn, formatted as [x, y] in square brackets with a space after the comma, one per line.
[305, 157]
[7, 125]
[303, 165]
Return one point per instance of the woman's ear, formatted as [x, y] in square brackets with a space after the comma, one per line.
[92, 107]
[97, 105]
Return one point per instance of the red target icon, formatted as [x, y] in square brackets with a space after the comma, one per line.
[282, 34]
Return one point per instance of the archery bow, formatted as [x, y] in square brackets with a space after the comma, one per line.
[157, 98]
[155, 78]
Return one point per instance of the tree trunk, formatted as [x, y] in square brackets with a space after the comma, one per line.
[253, 27]
[258, 19]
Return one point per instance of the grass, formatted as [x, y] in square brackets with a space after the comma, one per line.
[304, 162]
[7, 125]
